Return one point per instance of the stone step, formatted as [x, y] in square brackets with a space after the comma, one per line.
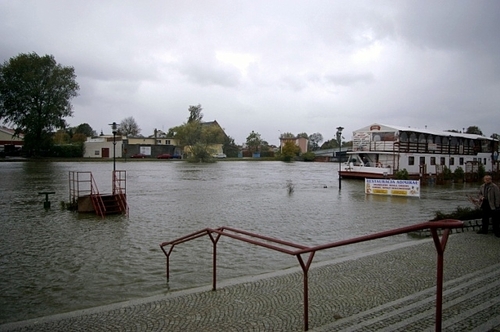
[467, 304]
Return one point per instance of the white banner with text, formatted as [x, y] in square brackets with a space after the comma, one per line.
[410, 188]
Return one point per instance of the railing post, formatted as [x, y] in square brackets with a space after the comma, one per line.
[168, 267]
[306, 301]
[440, 246]
[305, 269]
[214, 267]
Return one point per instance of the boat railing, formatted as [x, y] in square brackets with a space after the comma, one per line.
[305, 254]
[416, 147]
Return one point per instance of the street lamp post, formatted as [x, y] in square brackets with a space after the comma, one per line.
[339, 141]
[114, 128]
[281, 146]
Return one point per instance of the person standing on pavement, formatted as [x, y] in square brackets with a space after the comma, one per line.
[489, 195]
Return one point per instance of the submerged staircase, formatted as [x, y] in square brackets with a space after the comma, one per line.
[85, 195]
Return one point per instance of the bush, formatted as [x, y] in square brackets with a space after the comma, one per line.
[459, 173]
[447, 174]
[481, 172]
[402, 174]
[308, 156]
[461, 213]
[68, 150]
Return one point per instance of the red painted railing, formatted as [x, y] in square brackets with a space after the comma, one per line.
[120, 189]
[83, 183]
[299, 250]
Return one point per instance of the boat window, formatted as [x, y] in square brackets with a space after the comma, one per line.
[452, 161]
[454, 141]
[403, 137]
[443, 161]
[422, 160]
[437, 140]
[430, 139]
[433, 160]
[384, 136]
[421, 138]
[413, 138]
[485, 146]
[411, 160]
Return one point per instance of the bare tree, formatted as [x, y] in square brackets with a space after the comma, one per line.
[314, 140]
[128, 127]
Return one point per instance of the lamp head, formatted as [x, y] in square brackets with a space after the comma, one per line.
[114, 127]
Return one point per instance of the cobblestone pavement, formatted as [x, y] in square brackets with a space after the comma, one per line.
[388, 289]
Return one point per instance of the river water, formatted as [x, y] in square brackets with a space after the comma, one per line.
[56, 261]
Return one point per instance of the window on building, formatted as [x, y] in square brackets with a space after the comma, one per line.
[433, 161]
[442, 161]
[411, 160]
[413, 138]
[167, 142]
[422, 160]
[158, 141]
[96, 152]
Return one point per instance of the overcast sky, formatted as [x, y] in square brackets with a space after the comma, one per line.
[270, 66]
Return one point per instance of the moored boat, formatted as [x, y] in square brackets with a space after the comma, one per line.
[380, 151]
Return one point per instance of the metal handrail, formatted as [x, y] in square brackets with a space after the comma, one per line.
[119, 190]
[96, 198]
[297, 250]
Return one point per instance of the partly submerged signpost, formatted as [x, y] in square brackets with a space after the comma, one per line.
[409, 188]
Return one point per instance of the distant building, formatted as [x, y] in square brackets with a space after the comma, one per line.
[301, 142]
[102, 147]
[8, 142]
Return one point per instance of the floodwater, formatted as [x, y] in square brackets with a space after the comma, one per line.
[56, 261]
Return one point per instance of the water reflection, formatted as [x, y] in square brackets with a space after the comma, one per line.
[55, 261]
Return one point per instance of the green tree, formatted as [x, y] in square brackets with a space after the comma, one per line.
[474, 130]
[78, 138]
[287, 135]
[254, 141]
[129, 127]
[85, 129]
[61, 137]
[330, 144]
[35, 95]
[289, 151]
[230, 148]
[199, 137]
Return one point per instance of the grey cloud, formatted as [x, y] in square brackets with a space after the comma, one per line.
[206, 73]
[349, 79]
